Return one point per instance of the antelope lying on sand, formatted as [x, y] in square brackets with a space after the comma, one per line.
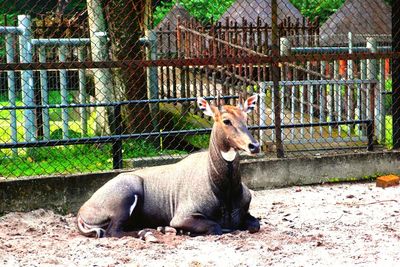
[202, 194]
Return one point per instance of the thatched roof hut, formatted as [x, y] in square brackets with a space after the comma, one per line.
[360, 17]
[250, 10]
[166, 29]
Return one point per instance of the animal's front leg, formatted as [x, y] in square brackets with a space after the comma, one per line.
[196, 224]
[251, 223]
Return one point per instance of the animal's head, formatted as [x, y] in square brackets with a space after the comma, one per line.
[232, 121]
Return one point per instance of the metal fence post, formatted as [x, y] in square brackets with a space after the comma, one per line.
[25, 56]
[117, 144]
[371, 75]
[275, 79]
[152, 76]
[82, 91]
[63, 91]
[11, 90]
[45, 94]
[396, 74]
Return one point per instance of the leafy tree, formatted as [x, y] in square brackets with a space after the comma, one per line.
[203, 10]
[317, 8]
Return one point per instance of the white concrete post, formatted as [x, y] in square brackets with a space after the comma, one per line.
[25, 56]
[11, 90]
[44, 93]
[62, 51]
[102, 77]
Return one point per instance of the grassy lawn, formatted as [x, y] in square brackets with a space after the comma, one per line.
[63, 159]
[72, 159]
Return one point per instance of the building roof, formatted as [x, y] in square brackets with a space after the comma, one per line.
[361, 18]
[250, 10]
[171, 18]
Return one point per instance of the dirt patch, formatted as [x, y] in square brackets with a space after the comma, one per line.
[342, 224]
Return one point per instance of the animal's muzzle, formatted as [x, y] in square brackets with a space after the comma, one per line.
[254, 148]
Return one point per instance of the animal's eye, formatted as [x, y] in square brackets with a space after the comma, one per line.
[227, 122]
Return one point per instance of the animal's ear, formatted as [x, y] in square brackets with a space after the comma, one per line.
[204, 106]
[250, 103]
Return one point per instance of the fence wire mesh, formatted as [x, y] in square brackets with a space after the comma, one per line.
[92, 85]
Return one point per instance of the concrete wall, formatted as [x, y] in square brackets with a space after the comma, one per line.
[67, 193]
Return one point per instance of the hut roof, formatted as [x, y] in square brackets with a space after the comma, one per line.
[166, 30]
[250, 10]
[172, 17]
[361, 18]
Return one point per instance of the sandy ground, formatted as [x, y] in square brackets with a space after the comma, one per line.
[344, 224]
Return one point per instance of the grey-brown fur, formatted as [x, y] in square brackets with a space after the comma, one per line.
[201, 194]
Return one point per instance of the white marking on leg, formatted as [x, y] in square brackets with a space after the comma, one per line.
[133, 205]
[230, 155]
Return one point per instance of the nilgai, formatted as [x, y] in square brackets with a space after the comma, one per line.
[202, 194]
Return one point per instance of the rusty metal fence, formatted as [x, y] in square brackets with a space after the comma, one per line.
[93, 85]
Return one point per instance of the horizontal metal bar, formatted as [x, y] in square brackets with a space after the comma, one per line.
[113, 138]
[304, 141]
[61, 41]
[305, 125]
[386, 93]
[10, 29]
[195, 61]
[120, 103]
[322, 82]
[101, 139]
[343, 49]
[325, 149]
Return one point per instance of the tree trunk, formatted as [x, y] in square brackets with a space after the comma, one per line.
[126, 22]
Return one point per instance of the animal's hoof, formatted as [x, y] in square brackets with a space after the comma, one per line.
[254, 228]
[168, 230]
[217, 230]
[151, 239]
[147, 236]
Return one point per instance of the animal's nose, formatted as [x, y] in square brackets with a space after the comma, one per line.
[254, 148]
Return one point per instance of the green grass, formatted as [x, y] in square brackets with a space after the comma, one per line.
[72, 159]
[54, 114]
[63, 159]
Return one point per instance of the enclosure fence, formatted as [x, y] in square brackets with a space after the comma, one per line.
[90, 85]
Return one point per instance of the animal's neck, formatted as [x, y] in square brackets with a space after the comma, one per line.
[223, 170]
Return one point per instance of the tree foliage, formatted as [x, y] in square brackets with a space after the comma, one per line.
[317, 8]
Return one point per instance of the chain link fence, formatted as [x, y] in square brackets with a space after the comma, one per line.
[93, 85]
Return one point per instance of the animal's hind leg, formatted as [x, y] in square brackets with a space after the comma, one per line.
[110, 207]
[122, 214]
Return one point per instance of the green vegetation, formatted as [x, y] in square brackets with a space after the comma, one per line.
[65, 159]
[72, 159]
[367, 178]
[203, 10]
